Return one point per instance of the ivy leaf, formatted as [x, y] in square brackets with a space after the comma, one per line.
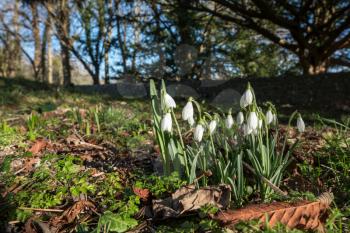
[117, 223]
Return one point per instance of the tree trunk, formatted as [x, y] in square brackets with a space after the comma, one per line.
[121, 44]
[49, 72]
[17, 49]
[65, 59]
[64, 33]
[96, 76]
[44, 50]
[106, 60]
[313, 66]
[36, 36]
[107, 41]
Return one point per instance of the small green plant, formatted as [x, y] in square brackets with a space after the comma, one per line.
[161, 186]
[33, 124]
[8, 134]
[121, 221]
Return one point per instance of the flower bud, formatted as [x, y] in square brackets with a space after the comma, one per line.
[198, 133]
[246, 99]
[252, 121]
[187, 111]
[212, 126]
[300, 124]
[269, 117]
[229, 121]
[274, 118]
[169, 101]
[240, 118]
[166, 124]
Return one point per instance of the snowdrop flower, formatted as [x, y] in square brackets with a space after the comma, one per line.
[252, 121]
[229, 121]
[187, 112]
[198, 133]
[169, 101]
[240, 118]
[247, 98]
[166, 124]
[246, 130]
[190, 121]
[300, 124]
[269, 117]
[212, 126]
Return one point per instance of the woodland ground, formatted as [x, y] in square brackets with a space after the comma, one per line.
[82, 163]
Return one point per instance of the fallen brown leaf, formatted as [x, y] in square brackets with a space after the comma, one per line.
[305, 215]
[189, 198]
[144, 194]
[38, 146]
[69, 215]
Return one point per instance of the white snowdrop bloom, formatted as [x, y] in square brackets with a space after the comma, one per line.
[260, 124]
[166, 124]
[252, 120]
[300, 124]
[212, 126]
[191, 121]
[169, 101]
[246, 130]
[198, 133]
[246, 99]
[240, 118]
[187, 111]
[229, 121]
[269, 117]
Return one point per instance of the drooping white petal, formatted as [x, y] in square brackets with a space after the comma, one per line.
[252, 120]
[240, 118]
[269, 117]
[166, 124]
[190, 121]
[229, 121]
[169, 101]
[212, 126]
[198, 133]
[246, 99]
[187, 111]
[260, 124]
[300, 124]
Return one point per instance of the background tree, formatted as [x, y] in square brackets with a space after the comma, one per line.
[317, 30]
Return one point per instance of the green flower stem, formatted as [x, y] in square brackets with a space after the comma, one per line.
[213, 150]
[182, 143]
[198, 108]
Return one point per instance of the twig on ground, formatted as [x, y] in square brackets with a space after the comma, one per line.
[274, 187]
[39, 209]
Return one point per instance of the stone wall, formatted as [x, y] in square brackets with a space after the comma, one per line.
[324, 92]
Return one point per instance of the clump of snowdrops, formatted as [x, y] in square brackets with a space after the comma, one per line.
[239, 150]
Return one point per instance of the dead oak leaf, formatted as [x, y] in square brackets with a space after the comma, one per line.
[304, 215]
